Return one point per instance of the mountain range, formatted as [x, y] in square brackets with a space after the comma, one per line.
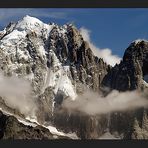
[51, 81]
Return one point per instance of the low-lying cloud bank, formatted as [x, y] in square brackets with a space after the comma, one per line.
[16, 92]
[92, 103]
[106, 53]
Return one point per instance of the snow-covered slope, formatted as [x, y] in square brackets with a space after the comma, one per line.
[31, 24]
[57, 77]
[24, 45]
[57, 63]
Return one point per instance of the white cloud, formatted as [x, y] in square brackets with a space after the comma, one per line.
[14, 14]
[16, 92]
[106, 53]
[92, 103]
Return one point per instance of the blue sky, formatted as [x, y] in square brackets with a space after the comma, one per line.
[111, 28]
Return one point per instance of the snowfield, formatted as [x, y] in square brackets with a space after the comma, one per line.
[14, 44]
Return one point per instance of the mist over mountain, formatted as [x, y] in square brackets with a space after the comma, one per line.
[54, 83]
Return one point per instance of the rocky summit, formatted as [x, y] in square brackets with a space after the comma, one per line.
[130, 74]
[132, 71]
[58, 64]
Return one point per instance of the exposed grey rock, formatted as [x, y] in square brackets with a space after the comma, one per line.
[11, 128]
[37, 54]
[129, 75]
[60, 65]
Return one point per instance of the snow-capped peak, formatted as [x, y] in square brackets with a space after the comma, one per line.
[28, 18]
[32, 24]
[139, 40]
[16, 45]
[28, 21]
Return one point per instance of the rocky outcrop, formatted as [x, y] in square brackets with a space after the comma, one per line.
[60, 65]
[57, 62]
[129, 75]
[86, 71]
[85, 126]
[11, 128]
[73, 51]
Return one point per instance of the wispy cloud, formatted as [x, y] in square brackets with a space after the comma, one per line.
[92, 103]
[15, 14]
[106, 53]
[21, 100]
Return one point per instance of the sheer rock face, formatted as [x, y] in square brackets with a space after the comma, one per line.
[57, 62]
[11, 128]
[85, 71]
[60, 65]
[73, 51]
[130, 73]
[86, 127]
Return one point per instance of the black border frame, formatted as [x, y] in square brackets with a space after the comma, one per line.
[74, 143]
[74, 4]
